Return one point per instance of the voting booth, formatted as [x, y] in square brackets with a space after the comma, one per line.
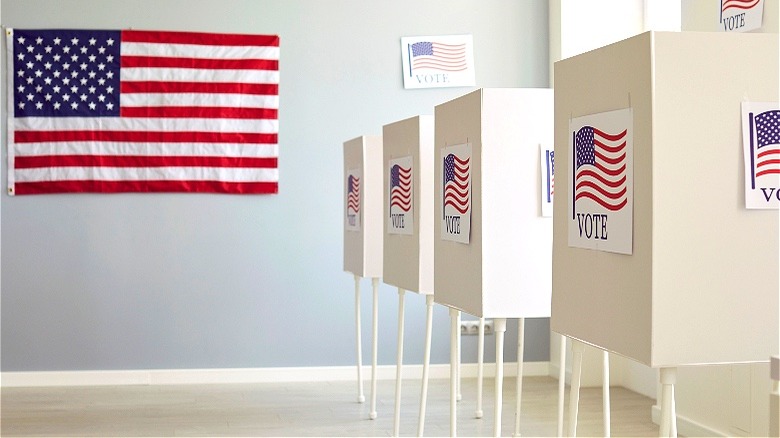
[363, 236]
[492, 246]
[656, 256]
[408, 231]
[363, 239]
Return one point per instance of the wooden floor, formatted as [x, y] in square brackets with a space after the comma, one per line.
[302, 409]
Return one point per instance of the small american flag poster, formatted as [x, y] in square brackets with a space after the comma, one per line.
[438, 61]
[547, 167]
[456, 192]
[353, 199]
[741, 15]
[400, 196]
[601, 182]
[761, 146]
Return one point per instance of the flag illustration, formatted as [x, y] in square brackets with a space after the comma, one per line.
[725, 5]
[437, 56]
[400, 188]
[353, 194]
[143, 111]
[600, 167]
[550, 175]
[456, 183]
[766, 138]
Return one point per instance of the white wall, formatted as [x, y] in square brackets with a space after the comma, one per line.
[166, 281]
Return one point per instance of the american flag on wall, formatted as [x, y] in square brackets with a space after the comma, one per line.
[438, 56]
[142, 111]
[600, 167]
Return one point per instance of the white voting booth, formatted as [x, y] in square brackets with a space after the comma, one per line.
[408, 231]
[363, 234]
[492, 247]
[661, 262]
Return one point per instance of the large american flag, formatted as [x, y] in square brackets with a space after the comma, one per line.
[600, 167]
[438, 56]
[401, 188]
[143, 111]
[456, 183]
[767, 137]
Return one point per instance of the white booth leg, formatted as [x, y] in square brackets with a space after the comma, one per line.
[577, 349]
[374, 342]
[454, 330]
[361, 397]
[459, 395]
[561, 383]
[399, 364]
[480, 365]
[605, 392]
[426, 363]
[519, 380]
[500, 326]
[668, 414]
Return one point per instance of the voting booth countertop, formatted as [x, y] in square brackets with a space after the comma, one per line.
[648, 134]
[408, 204]
[362, 209]
[492, 246]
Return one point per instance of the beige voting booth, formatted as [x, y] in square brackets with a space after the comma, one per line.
[408, 231]
[699, 281]
[492, 247]
[363, 239]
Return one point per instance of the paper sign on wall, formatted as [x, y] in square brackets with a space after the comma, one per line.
[761, 146]
[400, 190]
[438, 61]
[547, 167]
[455, 181]
[354, 187]
[741, 15]
[601, 188]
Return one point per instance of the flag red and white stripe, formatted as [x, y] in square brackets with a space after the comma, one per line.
[197, 112]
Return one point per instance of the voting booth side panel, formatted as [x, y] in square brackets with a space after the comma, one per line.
[517, 240]
[353, 235]
[715, 263]
[424, 220]
[604, 298]
[458, 265]
[401, 140]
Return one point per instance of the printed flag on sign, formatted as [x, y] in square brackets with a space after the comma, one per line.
[400, 198]
[601, 167]
[401, 188]
[601, 190]
[547, 173]
[761, 145]
[438, 56]
[143, 111]
[456, 193]
[353, 200]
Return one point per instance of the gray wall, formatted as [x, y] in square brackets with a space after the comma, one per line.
[147, 281]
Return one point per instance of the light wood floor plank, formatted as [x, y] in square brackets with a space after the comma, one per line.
[301, 409]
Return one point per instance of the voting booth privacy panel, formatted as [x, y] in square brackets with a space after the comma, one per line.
[408, 204]
[362, 210]
[492, 258]
[699, 284]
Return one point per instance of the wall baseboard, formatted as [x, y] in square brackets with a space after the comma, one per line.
[248, 375]
[686, 426]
